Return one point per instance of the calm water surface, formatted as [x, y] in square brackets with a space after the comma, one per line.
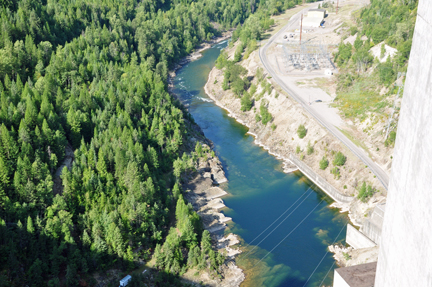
[294, 253]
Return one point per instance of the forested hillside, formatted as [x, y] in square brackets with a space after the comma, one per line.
[362, 76]
[91, 76]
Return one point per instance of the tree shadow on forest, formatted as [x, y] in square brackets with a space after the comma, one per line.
[36, 259]
[199, 184]
[265, 36]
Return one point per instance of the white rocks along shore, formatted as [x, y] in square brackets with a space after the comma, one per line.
[204, 194]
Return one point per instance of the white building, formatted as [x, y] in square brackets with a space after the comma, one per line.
[316, 13]
[315, 18]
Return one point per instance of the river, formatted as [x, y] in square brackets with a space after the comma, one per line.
[285, 221]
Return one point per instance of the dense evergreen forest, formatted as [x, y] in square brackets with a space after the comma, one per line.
[362, 76]
[91, 77]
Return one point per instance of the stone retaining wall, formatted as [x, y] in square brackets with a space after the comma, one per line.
[319, 181]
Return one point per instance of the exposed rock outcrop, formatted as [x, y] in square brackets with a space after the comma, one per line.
[204, 196]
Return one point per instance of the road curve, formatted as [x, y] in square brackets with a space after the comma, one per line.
[375, 168]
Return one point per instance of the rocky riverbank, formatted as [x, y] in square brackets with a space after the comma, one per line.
[281, 139]
[203, 192]
[203, 189]
[348, 256]
[195, 55]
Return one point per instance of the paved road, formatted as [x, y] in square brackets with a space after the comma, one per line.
[360, 153]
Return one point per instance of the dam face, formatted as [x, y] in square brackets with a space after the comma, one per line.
[405, 257]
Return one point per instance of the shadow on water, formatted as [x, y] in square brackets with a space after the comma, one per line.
[285, 218]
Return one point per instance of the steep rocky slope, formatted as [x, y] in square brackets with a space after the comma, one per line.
[281, 139]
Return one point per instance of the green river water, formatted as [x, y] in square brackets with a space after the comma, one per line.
[282, 246]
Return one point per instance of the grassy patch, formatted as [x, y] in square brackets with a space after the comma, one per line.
[355, 141]
[360, 98]
[355, 15]
[324, 84]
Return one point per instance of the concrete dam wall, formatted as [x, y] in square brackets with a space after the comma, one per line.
[405, 256]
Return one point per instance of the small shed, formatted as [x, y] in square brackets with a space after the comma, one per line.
[317, 13]
[125, 281]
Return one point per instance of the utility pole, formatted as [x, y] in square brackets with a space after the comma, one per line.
[337, 7]
[301, 27]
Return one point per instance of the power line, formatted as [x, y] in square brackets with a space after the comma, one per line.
[343, 227]
[289, 233]
[327, 274]
[279, 217]
[278, 225]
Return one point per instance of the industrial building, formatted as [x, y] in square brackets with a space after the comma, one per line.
[315, 18]
[316, 13]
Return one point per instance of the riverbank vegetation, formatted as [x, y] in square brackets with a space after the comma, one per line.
[323, 163]
[301, 131]
[92, 78]
[365, 192]
[363, 77]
